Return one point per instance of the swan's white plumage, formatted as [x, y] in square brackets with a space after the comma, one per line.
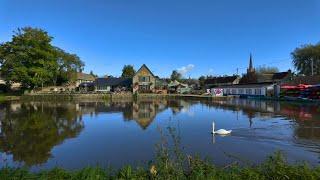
[220, 131]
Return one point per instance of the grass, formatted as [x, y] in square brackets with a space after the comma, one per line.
[171, 163]
[275, 167]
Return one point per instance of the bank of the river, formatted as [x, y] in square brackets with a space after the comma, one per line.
[275, 167]
[115, 96]
[4, 97]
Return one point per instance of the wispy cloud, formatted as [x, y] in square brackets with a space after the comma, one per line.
[185, 69]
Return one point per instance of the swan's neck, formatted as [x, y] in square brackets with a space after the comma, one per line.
[212, 127]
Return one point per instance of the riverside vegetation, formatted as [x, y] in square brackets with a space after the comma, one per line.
[172, 163]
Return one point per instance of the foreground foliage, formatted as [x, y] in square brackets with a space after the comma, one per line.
[171, 163]
[274, 168]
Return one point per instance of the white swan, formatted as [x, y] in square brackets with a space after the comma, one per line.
[220, 131]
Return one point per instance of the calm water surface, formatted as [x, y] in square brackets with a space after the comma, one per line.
[72, 135]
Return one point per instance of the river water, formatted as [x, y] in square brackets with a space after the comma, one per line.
[73, 135]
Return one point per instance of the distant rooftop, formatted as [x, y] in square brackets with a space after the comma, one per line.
[112, 81]
[84, 76]
[220, 80]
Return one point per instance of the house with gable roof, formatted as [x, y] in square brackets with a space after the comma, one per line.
[144, 80]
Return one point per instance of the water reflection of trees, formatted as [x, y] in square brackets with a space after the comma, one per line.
[32, 130]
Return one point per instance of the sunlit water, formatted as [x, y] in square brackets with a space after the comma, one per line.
[72, 135]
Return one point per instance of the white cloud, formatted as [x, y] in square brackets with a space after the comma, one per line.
[185, 69]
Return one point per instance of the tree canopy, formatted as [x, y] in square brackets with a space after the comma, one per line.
[128, 71]
[202, 80]
[266, 70]
[175, 75]
[30, 59]
[303, 57]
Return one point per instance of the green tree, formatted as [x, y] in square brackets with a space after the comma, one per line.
[68, 66]
[29, 58]
[266, 70]
[175, 75]
[128, 71]
[92, 74]
[202, 80]
[306, 56]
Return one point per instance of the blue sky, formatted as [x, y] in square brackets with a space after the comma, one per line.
[198, 37]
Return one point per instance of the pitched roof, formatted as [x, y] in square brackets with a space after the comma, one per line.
[113, 81]
[145, 66]
[218, 80]
[303, 80]
[280, 75]
[84, 76]
[271, 77]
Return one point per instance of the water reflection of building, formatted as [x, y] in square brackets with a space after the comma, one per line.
[144, 112]
[30, 130]
[305, 116]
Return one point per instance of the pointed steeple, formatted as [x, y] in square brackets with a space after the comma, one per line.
[250, 68]
[250, 63]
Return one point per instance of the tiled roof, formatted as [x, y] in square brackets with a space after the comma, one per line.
[218, 80]
[280, 75]
[303, 80]
[272, 77]
[113, 81]
[84, 76]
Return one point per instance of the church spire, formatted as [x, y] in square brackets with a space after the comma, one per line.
[250, 69]
[250, 63]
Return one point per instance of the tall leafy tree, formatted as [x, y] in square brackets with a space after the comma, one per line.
[175, 75]
[128, 71]
[303, 58]
[30, 59]
[266, 69]
[202, 80]
[68, 66]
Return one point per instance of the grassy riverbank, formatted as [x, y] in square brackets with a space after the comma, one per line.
[275, 167]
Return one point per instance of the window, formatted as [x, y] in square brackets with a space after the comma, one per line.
[144, 87]
[144, 78]
[258, 91]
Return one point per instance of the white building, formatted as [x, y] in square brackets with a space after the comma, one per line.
[258, 89]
